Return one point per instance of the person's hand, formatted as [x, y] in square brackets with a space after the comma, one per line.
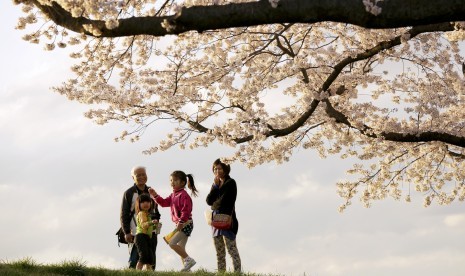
[129, 238]
[152, 192]
[179, 226]
[217, 181]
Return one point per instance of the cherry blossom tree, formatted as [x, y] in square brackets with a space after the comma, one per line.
[379, 81]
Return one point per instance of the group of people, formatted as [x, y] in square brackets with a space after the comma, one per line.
[140, 217]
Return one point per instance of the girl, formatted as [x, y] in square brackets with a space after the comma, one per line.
[144, 205]
[181, 213]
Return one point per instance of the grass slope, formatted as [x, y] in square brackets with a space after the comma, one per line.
[28, 267]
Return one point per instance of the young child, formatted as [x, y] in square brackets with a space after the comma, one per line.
[180, 204]
[143, 206]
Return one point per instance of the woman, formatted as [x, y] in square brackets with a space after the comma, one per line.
[222, 199]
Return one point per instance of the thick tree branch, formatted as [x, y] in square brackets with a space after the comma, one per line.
[395, 13]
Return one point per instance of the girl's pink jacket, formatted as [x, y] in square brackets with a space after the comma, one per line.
[180, 204]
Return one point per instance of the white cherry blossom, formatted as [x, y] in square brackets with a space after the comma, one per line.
[392, 99]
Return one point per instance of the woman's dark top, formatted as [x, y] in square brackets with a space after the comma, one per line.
[223, 199]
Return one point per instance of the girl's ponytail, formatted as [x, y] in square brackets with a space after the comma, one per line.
[189, 178]
[191, 185]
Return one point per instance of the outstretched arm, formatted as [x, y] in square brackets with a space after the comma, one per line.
[163, 202]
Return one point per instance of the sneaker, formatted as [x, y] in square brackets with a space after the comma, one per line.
[188, 263]
[182, 261]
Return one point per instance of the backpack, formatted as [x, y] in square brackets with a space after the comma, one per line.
[121, 238]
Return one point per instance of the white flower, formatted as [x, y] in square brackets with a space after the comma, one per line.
[49, 47]
[372, 7]
[274, 3]
[168, 25]
[111, 24]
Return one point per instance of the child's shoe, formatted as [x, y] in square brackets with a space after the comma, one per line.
[188, 263]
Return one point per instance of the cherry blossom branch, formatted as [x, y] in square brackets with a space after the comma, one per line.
[394, 14]
[340, 117]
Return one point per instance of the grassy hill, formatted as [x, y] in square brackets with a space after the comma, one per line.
[28, 267]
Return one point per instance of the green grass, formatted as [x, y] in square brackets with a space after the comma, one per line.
[28, 267]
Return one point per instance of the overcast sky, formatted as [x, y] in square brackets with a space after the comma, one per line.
[62, 179]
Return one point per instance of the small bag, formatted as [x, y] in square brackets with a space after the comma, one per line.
[120, 233]
[121, 238]
[221, 221]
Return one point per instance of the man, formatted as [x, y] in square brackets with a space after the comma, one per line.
[127, 217]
